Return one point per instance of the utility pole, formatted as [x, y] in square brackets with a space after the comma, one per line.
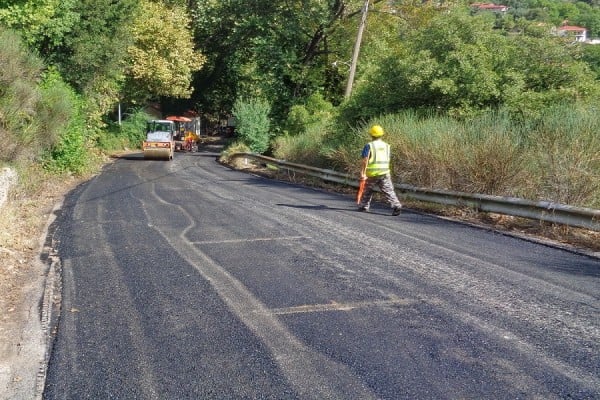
[361, 27]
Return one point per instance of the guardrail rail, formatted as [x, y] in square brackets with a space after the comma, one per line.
[580, 217]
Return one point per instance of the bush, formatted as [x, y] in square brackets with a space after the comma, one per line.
[316, 110]
[19, 98]
[252, 123]
[236, 147]
[129, 134]
[462, 66]
[308, 148]
[70, 153]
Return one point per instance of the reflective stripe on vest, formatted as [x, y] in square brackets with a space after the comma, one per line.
[379, 158]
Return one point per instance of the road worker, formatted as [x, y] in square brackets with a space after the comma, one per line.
[375, 169]
[190, 139]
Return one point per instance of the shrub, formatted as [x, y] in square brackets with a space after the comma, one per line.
[316, 110]
[19, 97]
[252, 123]
[129, 134]
[307, 148]
[70, 153]
[236, 147]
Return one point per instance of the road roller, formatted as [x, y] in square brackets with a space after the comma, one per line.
[159, 143]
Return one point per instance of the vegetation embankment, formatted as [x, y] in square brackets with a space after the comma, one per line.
[554, 157]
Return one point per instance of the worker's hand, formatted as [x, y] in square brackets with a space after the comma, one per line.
[363, 177]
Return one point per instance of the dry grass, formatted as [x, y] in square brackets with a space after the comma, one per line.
[576, 238]
[22, 222]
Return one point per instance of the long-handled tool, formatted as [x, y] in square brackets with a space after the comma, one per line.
[361, 189]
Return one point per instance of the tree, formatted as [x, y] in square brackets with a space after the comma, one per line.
[460, 64]
[42, 23]
[162, 58]
[85, 39]
[592, 57]
[275, 50]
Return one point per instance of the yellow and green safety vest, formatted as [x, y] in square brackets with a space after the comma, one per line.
[379, 158]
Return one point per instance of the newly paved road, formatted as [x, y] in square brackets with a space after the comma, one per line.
[188, 280]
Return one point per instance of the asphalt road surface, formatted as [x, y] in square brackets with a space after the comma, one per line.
[188, 280]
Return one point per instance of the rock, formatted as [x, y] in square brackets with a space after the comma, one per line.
[8, 177]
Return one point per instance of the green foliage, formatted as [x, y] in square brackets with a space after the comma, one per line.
[308, 147]
[58, 106]
[41, 117]
[94, 49]
[19, 98]
[162, 58]
[134, 127]
[459, 64]
[63, 112]
[252, 123]
[274, 50]
[129, 134]
[315, 110]
[591, 56]
[42, 23]
[87, 41]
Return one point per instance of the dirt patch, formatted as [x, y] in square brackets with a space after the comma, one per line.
[23, 222]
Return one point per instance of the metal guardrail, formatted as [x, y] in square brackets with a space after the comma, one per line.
[543, 210]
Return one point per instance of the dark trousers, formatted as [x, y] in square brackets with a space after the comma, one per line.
[384, 182]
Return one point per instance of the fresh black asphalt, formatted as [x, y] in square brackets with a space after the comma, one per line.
[189, 280]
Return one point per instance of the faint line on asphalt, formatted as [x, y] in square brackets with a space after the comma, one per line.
[251, 240]
[312, 374]
[334, 306]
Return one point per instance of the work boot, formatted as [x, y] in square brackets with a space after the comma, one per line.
[397, 210]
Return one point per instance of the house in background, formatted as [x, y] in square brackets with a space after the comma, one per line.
[578, 33]
[496, 8]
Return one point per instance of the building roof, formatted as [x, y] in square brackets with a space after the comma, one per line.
[489, 6]
[571, 28]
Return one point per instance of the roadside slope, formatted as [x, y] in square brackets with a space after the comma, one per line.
[24, 220]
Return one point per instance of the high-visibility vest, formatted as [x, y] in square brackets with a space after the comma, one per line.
[379, 158]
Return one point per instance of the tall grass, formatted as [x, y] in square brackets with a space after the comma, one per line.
[555, 157]
[565, 157]
[306, 148]
[19, 96]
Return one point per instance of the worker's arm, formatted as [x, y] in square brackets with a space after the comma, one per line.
[363, 168]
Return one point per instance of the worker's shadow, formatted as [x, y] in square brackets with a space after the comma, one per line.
[321, 207]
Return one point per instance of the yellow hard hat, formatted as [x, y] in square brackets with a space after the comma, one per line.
[376, 131]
